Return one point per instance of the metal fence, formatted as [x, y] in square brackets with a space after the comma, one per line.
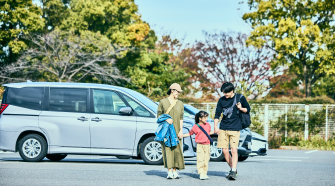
[319, 117]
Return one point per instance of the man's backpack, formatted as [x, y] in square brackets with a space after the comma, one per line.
[245, 117]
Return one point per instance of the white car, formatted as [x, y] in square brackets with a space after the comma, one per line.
[259, 145]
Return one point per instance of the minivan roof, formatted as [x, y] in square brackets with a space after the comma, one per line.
[62, 84]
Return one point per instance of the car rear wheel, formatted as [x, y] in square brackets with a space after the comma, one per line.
[33, 148]
[56, 157]
[151, 152]
[216, 153]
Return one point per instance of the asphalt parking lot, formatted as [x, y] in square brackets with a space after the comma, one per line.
[279, 167]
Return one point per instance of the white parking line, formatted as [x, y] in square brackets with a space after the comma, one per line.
[278, 157]
[278, 160]
[311, 151]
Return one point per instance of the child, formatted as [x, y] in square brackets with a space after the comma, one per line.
[203, 143]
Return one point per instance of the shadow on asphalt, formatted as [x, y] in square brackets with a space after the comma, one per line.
[209, 173]
[163, 174]
[158, 173]
[101, 160]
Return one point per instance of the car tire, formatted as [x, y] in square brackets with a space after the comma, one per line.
[151, 151]
[242, 158]
[55, 157]
[216, 154]
[33, 148]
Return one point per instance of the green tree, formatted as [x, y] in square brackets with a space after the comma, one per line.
[17, 18]
[167, 66]
[54, 13]
[117, 19]
[301, 32]
[325, 86]
[120, 22]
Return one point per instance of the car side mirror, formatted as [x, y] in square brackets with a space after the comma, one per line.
[126, 111]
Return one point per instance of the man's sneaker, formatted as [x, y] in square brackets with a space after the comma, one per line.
[170, 175]
[232, 175]
[175, 175]
[230, 172]
[202, 177]
[206, 177]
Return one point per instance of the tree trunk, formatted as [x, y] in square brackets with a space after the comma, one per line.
[307, 82]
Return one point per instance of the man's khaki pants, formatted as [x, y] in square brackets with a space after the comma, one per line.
[203, 156]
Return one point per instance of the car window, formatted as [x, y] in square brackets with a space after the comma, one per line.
[186, 114]
[27, 97]
[68, 99]
[107, 102]
[140, 110]
[143, 99]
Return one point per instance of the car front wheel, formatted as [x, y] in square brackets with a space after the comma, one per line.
[33, 148]
[151, 152]
[216, 153]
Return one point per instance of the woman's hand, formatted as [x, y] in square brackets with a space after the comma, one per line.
[180, 134]
[170, 121]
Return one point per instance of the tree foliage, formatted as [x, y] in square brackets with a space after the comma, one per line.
[225, 57]
[286, 85]
[325, 86]
[17, 18]
[301, 32]
[167, 66]
[65, 57]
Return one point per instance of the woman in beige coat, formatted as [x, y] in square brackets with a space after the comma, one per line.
[173, 157]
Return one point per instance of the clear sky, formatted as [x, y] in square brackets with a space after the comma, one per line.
[191, 17]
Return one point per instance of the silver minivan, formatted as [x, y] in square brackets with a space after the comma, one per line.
[42, 119]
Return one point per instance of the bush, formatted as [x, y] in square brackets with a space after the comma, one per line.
[296, 100]
[317, 143]
[256, 124]
[274, 142]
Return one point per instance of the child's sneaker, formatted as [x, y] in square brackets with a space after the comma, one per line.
[175, 175]
[170, 175]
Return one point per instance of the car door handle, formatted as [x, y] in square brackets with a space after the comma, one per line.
[82, 118]
[96, 119]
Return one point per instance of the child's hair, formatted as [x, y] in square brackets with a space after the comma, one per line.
[199, 115]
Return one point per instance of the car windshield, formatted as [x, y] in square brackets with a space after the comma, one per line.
[143, 99]
[193, 110]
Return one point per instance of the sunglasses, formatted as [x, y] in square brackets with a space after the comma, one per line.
[176, 90]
